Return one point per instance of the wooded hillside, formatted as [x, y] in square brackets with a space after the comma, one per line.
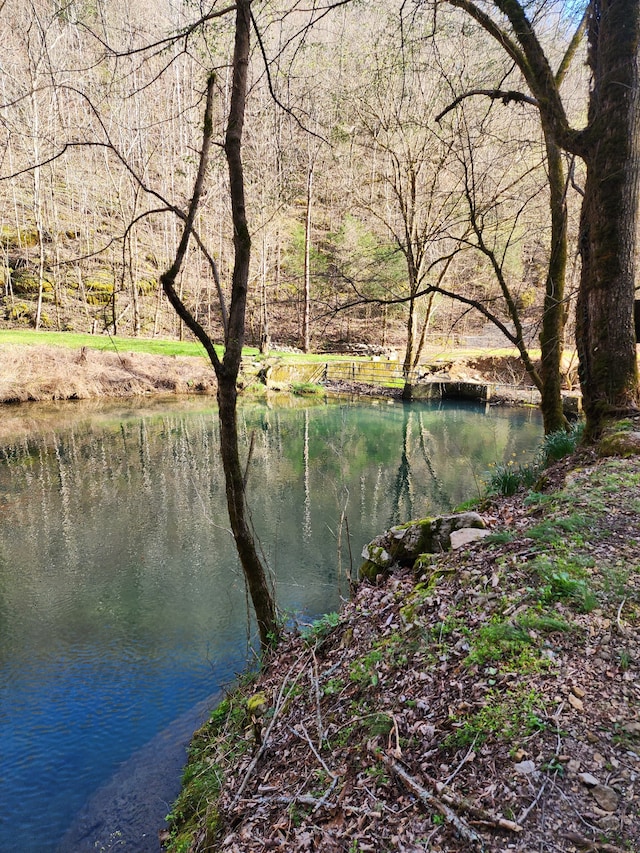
[356, 192]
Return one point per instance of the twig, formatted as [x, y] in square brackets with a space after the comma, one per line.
[311, 747]
[461, 826]
[397, 752]
[307, 800]
[593, 846]
[316, 686]
[450, 798]
[461, 804]
[450, 778]
[263, 745]
[525, 814]
[621, 627]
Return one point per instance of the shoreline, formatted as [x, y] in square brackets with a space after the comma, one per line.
[129, 811]
[455, 705]
[50, 374]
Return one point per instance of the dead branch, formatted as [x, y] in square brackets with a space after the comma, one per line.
[446, 801]
[461, 827]
[307, 800]
[589, 845]
[495, 94]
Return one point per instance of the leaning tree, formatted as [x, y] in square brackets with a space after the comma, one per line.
[609, 145]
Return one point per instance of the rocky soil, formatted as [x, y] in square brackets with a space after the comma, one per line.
[490, 701]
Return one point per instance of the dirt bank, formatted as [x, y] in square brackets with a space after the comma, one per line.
[44, 373]
[50, 373]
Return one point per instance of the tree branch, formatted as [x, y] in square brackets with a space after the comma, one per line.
[168, 278]
[571, 50]
[495, 94]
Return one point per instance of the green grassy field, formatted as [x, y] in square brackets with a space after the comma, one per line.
[155, 346]
[74, 340]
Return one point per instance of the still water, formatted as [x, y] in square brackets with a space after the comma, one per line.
[122, 604]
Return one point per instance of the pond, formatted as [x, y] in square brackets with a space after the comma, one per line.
[122, 604]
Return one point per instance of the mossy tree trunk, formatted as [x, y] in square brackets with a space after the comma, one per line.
[605, 333]
[554, 311]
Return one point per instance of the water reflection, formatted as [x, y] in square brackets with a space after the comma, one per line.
[121, 600]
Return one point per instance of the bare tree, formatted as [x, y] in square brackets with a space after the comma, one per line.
[405, 185]
[228, 367]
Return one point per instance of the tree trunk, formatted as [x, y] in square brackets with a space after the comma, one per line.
[412, 322]
[227, 370]
[306, 333]
[259, 589]
[554, 314]
[605, 334]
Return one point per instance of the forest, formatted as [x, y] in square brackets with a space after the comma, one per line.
[391, 167]
[376, 216]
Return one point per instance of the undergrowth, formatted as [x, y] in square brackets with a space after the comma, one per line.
[505, 479]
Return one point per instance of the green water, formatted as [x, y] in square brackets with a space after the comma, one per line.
[121, 600]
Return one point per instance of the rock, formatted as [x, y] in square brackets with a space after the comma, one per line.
[466, 535]
[588, 779]
[402, 545]
[620, 444]
[526, 768]
[575, 703]
[605, 797]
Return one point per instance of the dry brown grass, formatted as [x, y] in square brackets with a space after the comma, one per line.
[43, 373]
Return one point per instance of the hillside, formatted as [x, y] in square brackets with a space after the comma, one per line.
[488, 701]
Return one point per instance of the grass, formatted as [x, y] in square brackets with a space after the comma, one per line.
[152, 346]
[204, 774]
[76, 340]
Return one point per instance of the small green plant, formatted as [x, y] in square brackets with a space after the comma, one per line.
[333, 687]
[560, 585]
[296, 814]
[378, 774]
[496, 641]
[624, 659]
[307, 389]
[542, 623]
[537, 499]
[554, 765]
[363, 670]
[510, 717]
[500, 537]
[472, 503]
[559, 444]
[321, 628]
[506, 479]
[553, 530]
[378, 724]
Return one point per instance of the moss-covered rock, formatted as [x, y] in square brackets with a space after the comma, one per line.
[403, 544]
[621, 443]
